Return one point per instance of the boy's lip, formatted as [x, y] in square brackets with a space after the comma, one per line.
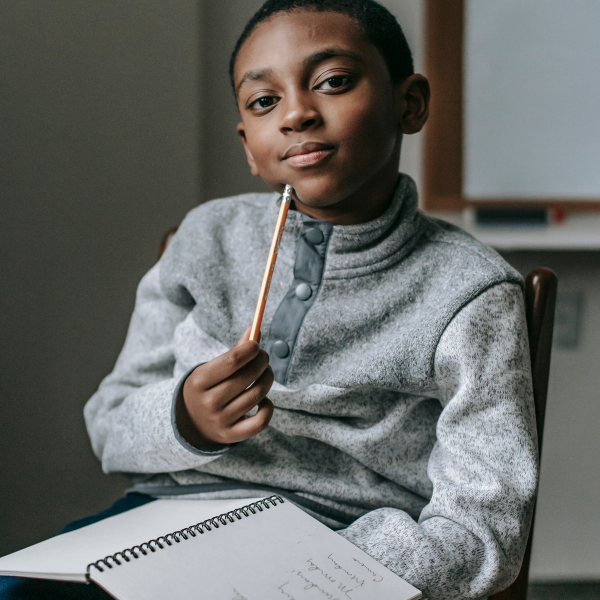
[307, 153]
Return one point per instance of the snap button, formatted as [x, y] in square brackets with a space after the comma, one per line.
[314, 235]
[281, 349]
[303, 291]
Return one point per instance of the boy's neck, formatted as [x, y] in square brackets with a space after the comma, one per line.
[364, 205]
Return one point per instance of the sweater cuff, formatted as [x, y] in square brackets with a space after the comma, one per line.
[216, 449]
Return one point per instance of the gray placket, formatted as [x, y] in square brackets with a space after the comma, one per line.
[308, 273]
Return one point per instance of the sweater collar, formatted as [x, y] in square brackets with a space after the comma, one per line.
[356, 248]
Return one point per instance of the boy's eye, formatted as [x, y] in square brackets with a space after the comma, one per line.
[263, 102]
[331, 83]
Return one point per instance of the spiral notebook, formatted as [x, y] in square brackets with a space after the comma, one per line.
[252, 549]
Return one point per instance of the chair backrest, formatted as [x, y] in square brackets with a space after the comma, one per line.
[166, 238]
[540, 301]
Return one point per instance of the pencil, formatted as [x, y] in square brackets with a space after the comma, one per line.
[266, 282]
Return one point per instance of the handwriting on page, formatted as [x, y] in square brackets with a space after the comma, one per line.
[376, 578]
[330, 578]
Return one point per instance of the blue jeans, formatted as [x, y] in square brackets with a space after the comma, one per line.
[21, 588]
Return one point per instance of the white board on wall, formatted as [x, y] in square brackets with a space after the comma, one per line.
[532, 99]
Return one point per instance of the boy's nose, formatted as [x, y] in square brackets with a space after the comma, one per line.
[299, 116]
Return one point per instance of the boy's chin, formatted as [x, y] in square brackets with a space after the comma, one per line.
[317, 194]
[312, 202]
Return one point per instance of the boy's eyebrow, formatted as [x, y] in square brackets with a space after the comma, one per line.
[333, 52]
[312, 60]
[255, 76]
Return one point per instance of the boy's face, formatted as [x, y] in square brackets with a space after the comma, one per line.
[320, 112]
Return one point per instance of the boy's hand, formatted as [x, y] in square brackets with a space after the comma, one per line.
[216, 397]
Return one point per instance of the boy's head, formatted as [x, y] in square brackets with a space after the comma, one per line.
[326, 88]
[375, 22]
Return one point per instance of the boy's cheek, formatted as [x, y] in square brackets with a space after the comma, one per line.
[267, 163]
[264, 154]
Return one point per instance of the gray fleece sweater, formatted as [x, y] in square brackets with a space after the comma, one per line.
[403, 403]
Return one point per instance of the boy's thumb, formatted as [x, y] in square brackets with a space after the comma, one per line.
[246, 336]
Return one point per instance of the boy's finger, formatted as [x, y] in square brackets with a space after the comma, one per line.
[250, 426]
[249, 398]
[233, 386]
[221, 368]
[245, 336]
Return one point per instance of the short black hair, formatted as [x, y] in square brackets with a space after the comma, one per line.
[375, 22]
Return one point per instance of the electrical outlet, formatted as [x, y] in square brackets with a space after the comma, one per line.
[568, 319]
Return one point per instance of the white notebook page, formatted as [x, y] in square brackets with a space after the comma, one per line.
[66, 556]
[278, 554]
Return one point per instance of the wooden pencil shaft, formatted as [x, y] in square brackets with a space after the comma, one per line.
[270, 267]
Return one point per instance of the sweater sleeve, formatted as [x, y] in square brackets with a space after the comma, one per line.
[130, 419]
[470, 539]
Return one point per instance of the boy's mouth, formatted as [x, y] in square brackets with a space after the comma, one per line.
[307, 154]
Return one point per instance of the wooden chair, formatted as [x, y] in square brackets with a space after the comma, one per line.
[540, 301]
[166, 238]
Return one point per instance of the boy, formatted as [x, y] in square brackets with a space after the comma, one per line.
[394, 351]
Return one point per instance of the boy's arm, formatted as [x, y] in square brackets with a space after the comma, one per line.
[129, 418]
[470, 538]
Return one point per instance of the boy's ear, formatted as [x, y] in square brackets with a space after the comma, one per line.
[242, 133]
[413, 103]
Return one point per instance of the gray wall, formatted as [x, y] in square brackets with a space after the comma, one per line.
[99, 154]
[103, 147]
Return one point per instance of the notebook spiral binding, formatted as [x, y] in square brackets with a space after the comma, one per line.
[164, 541]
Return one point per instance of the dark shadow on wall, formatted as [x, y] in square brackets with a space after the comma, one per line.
[99, 154]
